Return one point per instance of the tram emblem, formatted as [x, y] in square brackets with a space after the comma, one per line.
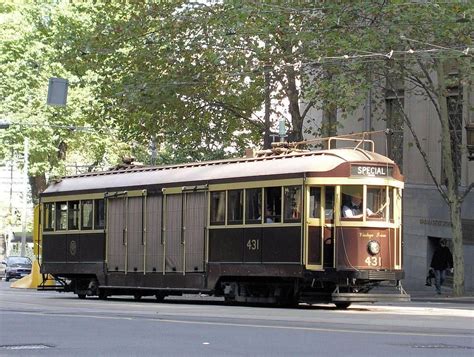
[73, 247]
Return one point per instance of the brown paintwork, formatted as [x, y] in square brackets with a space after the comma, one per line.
[352, 248]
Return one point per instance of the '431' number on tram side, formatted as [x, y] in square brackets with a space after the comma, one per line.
[253, 244]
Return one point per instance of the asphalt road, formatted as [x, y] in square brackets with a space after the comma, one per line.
[51, 324]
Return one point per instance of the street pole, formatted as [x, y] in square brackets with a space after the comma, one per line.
[25, 194]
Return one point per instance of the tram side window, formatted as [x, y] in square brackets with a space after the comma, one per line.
[99, 214]
[292, 203]
[73, 215]
[48, 217]
[315, 202]
[235, 208]
[86, 214]
[217, 207]
[329, 204]
[61, 216]
[253, 206]
[272, 204]
[376, 202]
[391, 203]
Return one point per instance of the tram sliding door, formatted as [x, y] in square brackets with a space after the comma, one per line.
[320, 227]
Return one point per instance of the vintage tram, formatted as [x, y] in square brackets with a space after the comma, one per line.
[271, 228]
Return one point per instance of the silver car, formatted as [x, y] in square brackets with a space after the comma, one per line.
[16, 267]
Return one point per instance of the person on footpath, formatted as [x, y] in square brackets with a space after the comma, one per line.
[442, 261]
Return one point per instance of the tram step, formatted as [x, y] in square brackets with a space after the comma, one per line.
[360, 297]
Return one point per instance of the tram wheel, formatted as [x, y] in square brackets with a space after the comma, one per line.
[102, 295]
[137, 297]
[81, 296]
[342, 305]
[159, 297]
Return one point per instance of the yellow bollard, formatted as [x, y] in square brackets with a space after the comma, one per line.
[32, 280]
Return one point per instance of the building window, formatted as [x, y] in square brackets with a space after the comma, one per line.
[99, 214]
[394, 110]
[61, 216]
[454, 103]
[86, 214]
[48, 217]
[235, 208]
[218, 207]
[292, 203]
[253, 205]
[272, 204]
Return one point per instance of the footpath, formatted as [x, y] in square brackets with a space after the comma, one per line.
[428, 294]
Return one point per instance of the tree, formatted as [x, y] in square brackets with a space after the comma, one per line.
[56, 135]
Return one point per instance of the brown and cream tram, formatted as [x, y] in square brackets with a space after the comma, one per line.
[275, 228]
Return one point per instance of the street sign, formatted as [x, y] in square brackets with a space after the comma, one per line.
[57, 91]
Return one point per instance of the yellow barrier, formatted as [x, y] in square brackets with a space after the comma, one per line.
[34, 279]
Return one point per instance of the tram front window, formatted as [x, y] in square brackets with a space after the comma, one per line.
[352, 202]
[376, 202]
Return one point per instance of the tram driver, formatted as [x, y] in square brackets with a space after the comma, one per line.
[353, 208]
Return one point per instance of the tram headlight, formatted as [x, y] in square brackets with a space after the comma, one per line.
[373, 247]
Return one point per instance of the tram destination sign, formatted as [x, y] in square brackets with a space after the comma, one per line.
[371, 171]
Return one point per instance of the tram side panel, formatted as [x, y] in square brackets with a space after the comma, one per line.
[173, 233]
[135, 235]
[154, 240]
[195, 218]
[117, 233]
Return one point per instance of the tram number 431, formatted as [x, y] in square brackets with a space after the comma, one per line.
[253, 244]
[373, 261]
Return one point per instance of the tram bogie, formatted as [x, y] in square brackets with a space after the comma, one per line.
[304, 227]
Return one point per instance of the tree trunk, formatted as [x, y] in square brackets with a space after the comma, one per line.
[38, 184]
[294, 105]
[453, 196]
[267, 141]
[458, 252]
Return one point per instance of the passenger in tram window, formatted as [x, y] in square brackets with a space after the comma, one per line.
[353, 208]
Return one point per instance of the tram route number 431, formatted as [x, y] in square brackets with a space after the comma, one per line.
[373, 261]
[253, 244]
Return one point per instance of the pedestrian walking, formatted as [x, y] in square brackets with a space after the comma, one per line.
[442, 261]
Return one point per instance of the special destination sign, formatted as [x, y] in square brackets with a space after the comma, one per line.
[371, 171]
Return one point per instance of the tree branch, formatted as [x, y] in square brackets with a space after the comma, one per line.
[417, 142]
[308, 107]
[464, 195]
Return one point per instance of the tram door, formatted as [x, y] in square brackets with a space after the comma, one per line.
[329, 228]
[320, 231]
[314, 241]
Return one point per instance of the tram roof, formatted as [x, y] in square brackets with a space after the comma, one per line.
[292, 165]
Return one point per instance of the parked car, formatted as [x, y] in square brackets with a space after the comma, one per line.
[16, 267]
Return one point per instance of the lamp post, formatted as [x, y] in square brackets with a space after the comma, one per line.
[26, 148]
